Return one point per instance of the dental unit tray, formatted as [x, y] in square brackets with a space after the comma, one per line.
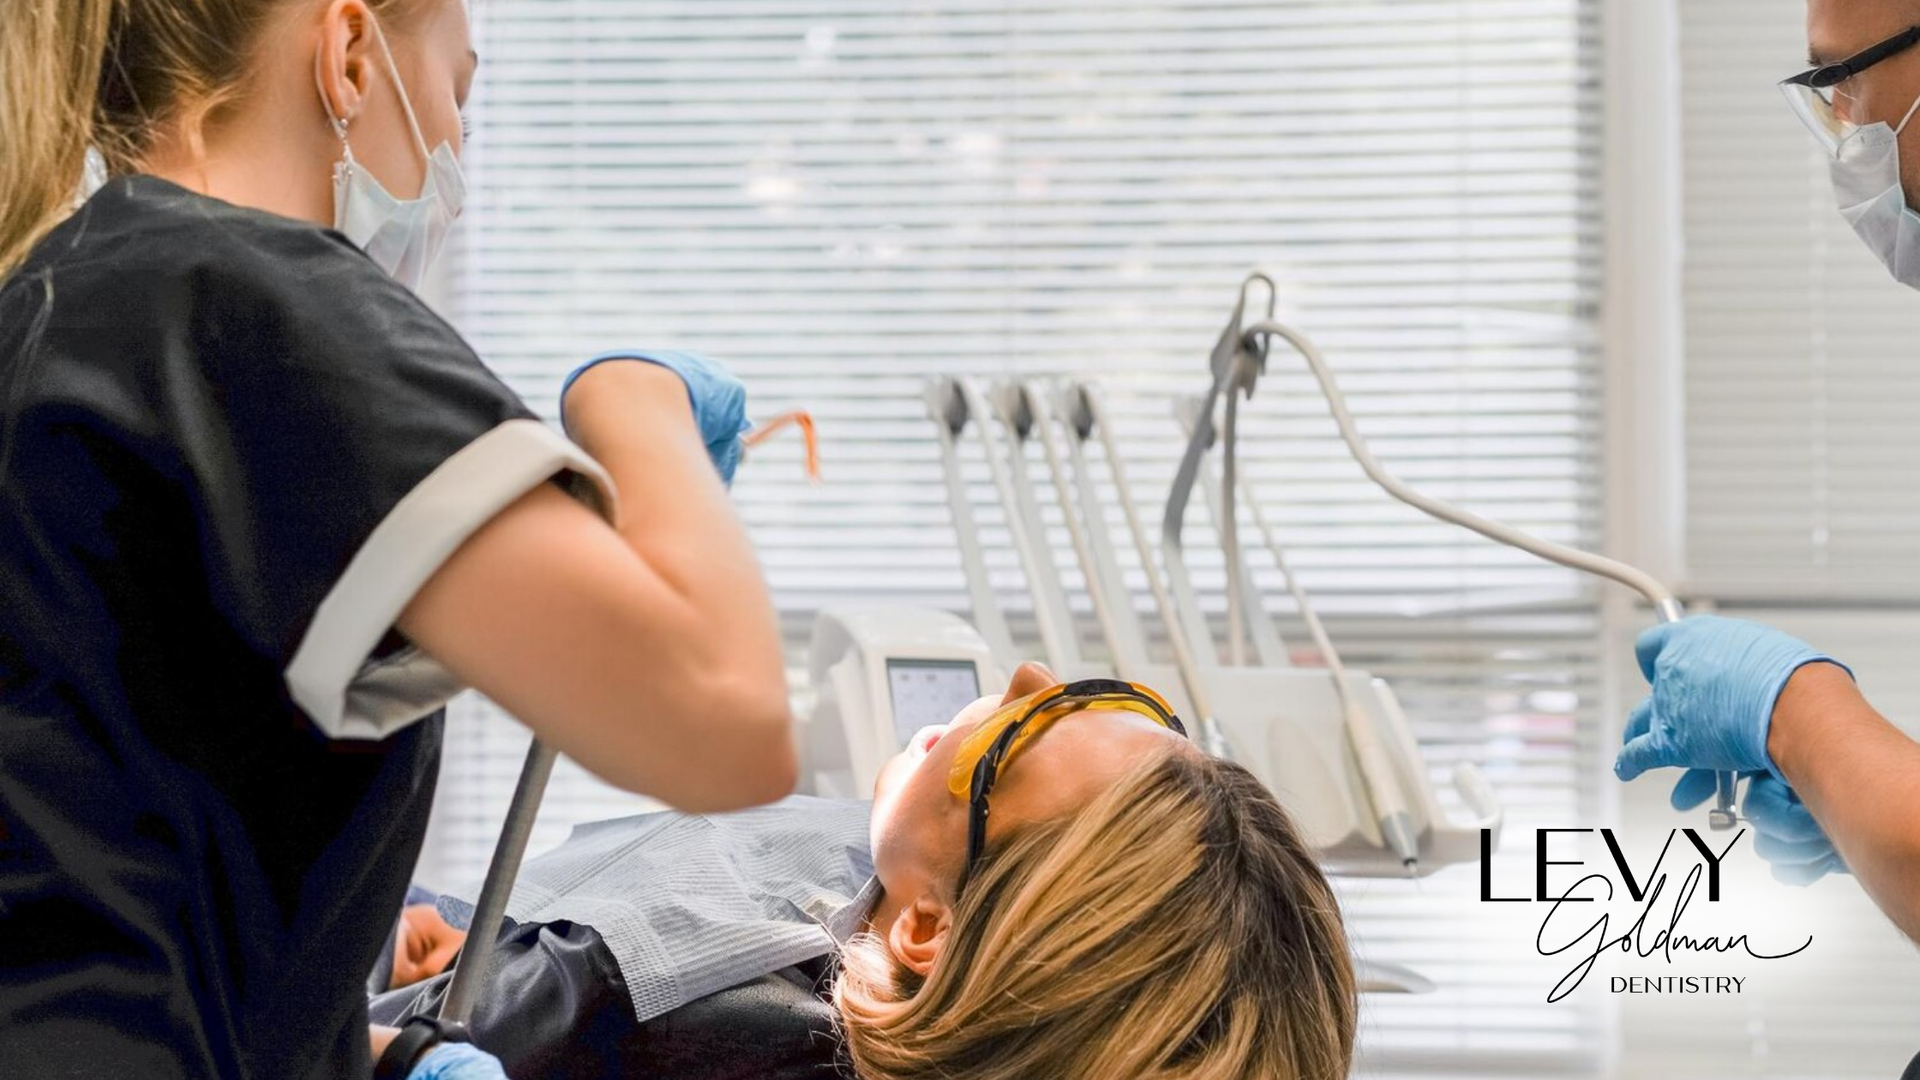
[1288, 725]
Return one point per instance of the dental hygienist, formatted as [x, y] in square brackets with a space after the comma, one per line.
[262, 514]
[1731, 695]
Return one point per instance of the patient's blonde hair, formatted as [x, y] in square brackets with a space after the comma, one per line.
[1176, 929]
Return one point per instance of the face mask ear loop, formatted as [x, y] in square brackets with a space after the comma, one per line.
[406, 103]
[1904, 120]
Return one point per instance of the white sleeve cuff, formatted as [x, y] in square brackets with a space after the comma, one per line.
[331, 677]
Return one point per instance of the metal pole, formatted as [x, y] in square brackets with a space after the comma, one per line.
[483, 934]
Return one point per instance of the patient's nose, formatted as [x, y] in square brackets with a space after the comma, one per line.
[1030, 679]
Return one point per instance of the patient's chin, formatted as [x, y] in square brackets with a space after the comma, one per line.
[886, 794]
[887, 784]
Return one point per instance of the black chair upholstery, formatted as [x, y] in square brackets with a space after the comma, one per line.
[557, 1008]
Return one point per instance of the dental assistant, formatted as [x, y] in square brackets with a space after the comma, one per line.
[262, 514]
[1836, 786]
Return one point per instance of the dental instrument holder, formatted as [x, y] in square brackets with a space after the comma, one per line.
[953, 403]
[1124, 641]
[1288, 724]
[1127, 637]
[1086, 416]
[1269, 648]
[1228, 379]
[947, 406]
[1252, 352]
[1237, 364]
[1025, 525]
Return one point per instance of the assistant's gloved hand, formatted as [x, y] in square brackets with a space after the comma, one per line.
[1784, 832]
[458, 1061]
[1715, 682]
[719, 400]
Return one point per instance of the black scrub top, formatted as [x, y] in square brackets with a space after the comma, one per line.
[231, 449]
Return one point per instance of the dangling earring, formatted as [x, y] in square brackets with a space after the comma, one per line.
[339, 122]
[346, 164]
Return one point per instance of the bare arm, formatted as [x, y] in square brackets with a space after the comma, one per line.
[381, 1038]
[1860, 776]
[650, 654]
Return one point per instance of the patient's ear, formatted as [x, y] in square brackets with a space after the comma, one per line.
[919, 933]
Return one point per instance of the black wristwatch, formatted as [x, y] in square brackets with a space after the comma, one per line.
[417, 1036]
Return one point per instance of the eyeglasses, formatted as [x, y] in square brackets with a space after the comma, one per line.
[1811, 93]
[988, 748]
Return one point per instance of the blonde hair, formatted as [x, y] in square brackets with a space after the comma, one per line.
[1176, 929]
[105, 75]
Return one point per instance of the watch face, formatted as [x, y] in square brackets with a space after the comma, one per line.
[453, 1031]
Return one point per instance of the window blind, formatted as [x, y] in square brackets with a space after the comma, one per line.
[1802, 380]
[843, 198]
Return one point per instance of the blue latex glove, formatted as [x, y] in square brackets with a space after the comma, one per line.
[1715, 682]
[719, 400]
[458, 1061]
[1784, 832]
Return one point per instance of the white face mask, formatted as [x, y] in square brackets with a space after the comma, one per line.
[1866, 183]
[404, 236]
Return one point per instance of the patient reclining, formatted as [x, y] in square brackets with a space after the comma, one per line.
[1137, 909]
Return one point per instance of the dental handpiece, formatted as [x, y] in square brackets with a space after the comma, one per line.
[1723, 816]
[1726, 785]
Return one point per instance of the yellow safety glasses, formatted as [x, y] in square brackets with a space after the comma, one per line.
[988, 748]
